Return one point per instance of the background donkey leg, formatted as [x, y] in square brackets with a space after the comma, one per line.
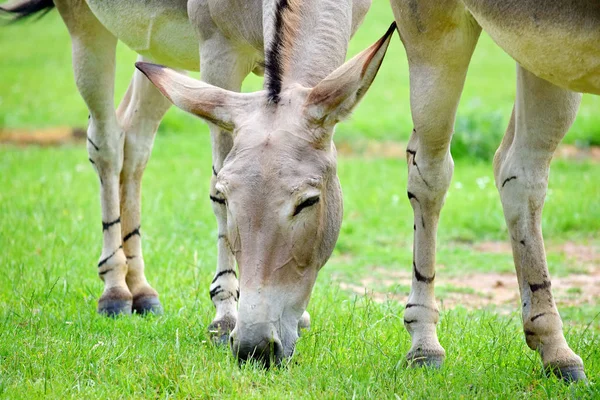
[139, 115]
[94, 68]
[221, 65]
[542, 115]
[439, 38]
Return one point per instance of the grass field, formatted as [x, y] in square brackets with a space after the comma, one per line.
[52, 343]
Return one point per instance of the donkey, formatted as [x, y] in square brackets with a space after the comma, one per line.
[557, 48]
[275, 192]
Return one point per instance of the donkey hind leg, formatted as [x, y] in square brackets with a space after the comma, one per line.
[438, 55]
[542, 115]
[94, 69]
[221, 66]
[139, 115]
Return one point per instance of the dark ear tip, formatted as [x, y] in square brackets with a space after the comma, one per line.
[140, 65]
[146, 67]
[390, 30]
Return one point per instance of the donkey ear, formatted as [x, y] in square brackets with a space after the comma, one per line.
[335, 96]
[219, 106]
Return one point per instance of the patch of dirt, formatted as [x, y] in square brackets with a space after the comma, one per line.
[479, 290]
[372, 149]
[397, 150]
[569, 151]
[43, 137]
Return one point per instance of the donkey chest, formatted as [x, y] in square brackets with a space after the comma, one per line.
[157, 29]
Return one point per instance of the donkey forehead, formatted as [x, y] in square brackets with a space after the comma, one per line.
[277, 158]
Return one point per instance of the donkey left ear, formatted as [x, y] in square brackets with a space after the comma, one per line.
[211, 103]
[335, 96]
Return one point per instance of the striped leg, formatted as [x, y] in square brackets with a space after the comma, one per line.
[438, 59]
[221, 66]
[94, 68]
[139, 116]
[542, 115]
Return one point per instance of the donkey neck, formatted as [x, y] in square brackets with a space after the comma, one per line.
[305, 40]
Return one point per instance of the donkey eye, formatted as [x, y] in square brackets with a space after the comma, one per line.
[306, 203]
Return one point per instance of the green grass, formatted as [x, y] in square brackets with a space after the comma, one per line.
[52, 343]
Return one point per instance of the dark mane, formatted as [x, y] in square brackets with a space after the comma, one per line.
[273, 55]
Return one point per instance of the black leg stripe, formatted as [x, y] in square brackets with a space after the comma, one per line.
[214, 171]
[237, 293]
[130, 257]
[420, 277]
[101, 263]
[217, 200]
[537, 316]
[93, 144]
[412, 196]
[420, 174]
[92, 161]
[221, 237]
[544, 285]
[105, 271]
[134, 232]
[215, 291]
[221, 273]
[410, 321]
[529, 333]
[508, 180]
[106, 225]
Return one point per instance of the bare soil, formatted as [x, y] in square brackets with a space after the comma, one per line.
[479, 290]
[56, 136]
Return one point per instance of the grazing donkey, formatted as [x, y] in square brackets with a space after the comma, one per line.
[557, 46]
[275, 191]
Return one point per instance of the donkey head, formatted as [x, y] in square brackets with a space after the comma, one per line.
[280, 187]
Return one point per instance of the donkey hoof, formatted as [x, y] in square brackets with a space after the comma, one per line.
[304, 323]
[570, 374]
[147, 304]
[219, 330]
[420, 359]
[115, 302]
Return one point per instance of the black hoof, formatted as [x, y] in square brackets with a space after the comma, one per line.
[113, 307]
[429, 361]
[219, 330]
[569, 374]
[147, 305]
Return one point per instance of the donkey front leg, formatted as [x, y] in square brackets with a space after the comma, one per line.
[542, 115]
[222, 66]
[94, 69]
[438, 55]
[139, 115]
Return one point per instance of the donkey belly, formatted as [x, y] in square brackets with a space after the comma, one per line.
[157, 29]
[556, 40]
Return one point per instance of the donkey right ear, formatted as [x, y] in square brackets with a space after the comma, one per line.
[335, 96]
[211, 103]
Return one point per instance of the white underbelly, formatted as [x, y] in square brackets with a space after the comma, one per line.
[156, 29]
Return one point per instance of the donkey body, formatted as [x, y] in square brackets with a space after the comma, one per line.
[557, 47]
[274, 190]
